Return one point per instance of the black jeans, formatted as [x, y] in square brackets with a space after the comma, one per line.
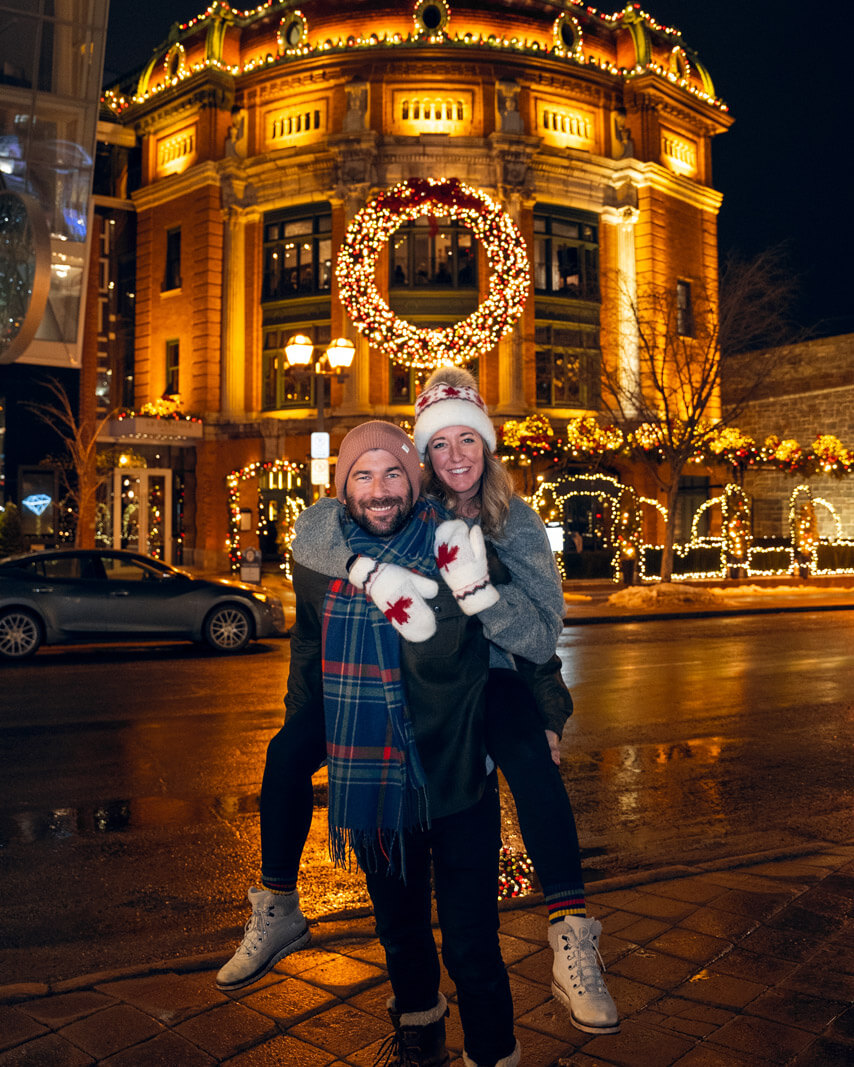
[287, 801]
[516, 740]
[463, 849]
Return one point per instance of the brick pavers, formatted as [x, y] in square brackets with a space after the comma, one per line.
[711, 966]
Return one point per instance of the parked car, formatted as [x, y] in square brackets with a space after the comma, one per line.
[96, 595]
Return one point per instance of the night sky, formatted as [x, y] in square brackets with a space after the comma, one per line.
[780, 68]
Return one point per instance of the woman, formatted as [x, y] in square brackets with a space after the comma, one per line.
[522, 618]
[456, 441]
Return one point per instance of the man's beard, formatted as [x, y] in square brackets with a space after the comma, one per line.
[387, 525]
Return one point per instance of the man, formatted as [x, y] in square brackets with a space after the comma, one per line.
[408, 784]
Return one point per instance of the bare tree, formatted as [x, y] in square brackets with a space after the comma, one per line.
[80, 474]
[669, 397]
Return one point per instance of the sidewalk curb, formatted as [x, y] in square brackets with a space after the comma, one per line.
[703, 613]
[19, 991]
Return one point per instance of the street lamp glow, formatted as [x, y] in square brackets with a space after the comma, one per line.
[340, 353]
[298, 350]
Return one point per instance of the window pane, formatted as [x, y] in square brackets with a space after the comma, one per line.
[324, 264]
[562, 228]
[544, 378]
[297, 227]
[400, 379]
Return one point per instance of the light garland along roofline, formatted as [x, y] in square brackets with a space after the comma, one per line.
[119, 103]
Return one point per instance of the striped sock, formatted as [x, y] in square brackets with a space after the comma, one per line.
[279, 886]
[566, 902]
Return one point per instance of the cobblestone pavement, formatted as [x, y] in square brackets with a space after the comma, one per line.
[747, 961]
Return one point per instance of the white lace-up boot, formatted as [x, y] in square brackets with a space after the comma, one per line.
[275, 929]
[577, 975]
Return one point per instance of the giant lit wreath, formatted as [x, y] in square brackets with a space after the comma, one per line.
[370, 230]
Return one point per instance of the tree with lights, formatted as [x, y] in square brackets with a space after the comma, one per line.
[670, 403]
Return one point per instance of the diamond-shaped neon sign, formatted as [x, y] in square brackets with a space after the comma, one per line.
[38, 503]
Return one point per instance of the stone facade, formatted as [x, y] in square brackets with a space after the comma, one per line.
[808, 391]
[592, 132]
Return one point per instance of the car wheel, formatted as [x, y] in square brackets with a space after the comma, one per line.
[20, 634]
[228, 628]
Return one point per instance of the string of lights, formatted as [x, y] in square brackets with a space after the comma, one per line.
[176, 72]
[367, 235]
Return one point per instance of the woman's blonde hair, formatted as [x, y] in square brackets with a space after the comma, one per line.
[496, 488]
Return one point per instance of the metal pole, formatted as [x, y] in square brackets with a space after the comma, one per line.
[320, 394]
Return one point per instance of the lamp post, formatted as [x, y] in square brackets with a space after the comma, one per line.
[338, 358]
[333, 362]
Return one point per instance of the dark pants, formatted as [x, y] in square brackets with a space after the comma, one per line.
[464, 851]
[287, 801]
[516, 740]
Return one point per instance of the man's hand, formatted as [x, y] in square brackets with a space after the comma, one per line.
[554, 746]
[399, 594]
[461, 557]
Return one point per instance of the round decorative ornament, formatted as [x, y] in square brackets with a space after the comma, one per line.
[369, 232]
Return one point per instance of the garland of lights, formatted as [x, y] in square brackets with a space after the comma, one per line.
[119, 103]
[295, 472]
[368, 234]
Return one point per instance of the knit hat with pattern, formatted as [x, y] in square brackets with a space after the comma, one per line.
[443, 405]
[371, 435]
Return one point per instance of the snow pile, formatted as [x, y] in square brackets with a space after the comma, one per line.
[666, 595]
[670, 595]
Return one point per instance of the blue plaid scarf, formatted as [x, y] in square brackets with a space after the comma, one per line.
[377, 787]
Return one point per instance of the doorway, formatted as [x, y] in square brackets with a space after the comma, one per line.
[142, 511]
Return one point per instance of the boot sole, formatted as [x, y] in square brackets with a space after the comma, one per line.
[587, 1028]
[293, 946]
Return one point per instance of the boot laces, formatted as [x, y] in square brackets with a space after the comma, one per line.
[256, 928]
[393, 1052]
[584, 956]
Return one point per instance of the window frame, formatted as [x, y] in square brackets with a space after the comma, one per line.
[413, 234]
[306, 277]
[586, 358]
[172, 278]
[278, 377]
[684, 308]
[586, 245]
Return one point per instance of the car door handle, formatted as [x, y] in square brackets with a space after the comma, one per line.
[42, 589]
[118, 592]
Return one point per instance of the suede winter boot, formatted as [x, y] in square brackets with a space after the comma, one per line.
[275, 929]
[513, 1060]
[418, 1039]
[577, 975]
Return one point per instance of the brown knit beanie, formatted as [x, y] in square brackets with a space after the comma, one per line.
[372, 435]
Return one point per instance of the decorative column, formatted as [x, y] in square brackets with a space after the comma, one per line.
[512, 152]
[628, 375]
[355, 176]
[236, 197]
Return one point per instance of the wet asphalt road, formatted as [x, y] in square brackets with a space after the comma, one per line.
[128, 793]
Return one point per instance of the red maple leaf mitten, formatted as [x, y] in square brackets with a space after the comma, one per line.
[461, 557]
[400, 594]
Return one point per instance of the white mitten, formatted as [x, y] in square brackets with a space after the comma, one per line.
[399, 594]
[461, 556]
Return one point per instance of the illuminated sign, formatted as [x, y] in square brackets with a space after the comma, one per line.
[38, 503]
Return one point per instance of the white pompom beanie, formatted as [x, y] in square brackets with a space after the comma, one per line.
[444, 405]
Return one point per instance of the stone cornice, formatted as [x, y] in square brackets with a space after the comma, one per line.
[168, 189]
[212, 88]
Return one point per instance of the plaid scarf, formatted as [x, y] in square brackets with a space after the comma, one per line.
[377, 787]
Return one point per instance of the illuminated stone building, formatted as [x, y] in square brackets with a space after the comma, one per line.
[264, 132]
